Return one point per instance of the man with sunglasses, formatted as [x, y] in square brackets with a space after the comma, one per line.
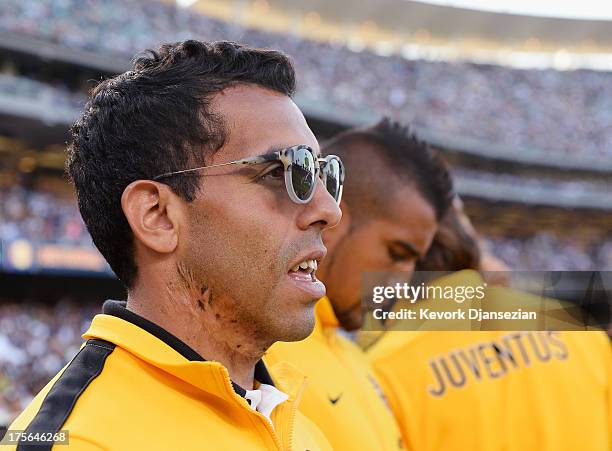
[397, 191]
[202, 185]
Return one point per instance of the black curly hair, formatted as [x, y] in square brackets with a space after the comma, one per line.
[153, 119]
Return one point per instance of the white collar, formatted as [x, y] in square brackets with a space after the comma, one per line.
[265, 399]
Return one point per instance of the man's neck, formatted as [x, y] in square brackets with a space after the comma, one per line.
[214, 336]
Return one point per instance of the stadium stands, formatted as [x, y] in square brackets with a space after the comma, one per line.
[40, 91]
[40, 216]
[574, 193]
[547, 252]
[563, 112]
[36, 341]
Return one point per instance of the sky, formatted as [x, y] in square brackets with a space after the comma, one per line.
[582, 9]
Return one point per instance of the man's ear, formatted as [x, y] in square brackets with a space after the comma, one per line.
[153, 212]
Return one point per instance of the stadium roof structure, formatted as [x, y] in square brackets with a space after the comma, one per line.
[407, 16]
[419, 30]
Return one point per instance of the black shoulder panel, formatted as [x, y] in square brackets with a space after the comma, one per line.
[61, 399]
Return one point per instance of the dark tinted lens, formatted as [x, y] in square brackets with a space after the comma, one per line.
[302, 173]
[332, 177]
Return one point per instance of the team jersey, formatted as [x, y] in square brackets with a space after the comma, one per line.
[495, 390]
[134, 386]
[342, 396]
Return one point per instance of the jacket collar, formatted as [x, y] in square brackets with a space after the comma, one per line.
[326, 323]
[324, 312]
[157, 346]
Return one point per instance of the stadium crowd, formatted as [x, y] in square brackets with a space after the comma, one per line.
[55, 95]
[542, 182]
[39, 216]
[566, 112]
[545, 252]
[36, 341]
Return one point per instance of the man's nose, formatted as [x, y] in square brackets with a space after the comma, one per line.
[322, 209]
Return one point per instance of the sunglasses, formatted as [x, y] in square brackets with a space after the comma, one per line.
[301, 171]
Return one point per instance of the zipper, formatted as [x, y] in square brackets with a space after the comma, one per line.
[268, 426]
[293, 413]
[289, 409]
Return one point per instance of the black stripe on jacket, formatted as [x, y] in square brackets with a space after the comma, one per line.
[61, 399]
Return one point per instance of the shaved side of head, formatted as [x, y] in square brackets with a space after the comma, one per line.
[382, 158]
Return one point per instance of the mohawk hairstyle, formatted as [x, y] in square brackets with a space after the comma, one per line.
[404, 156]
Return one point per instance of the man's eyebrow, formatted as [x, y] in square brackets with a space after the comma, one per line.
[272, 150]
[277, 148]
[269, 155]
[408, 248]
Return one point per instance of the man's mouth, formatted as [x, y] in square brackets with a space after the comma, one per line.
[305, 269]
[303, 275]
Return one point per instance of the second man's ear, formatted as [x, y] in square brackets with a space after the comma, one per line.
[153, 212]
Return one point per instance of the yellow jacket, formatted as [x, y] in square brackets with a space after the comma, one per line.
[494, 391]
[134, 386]
[342, 396]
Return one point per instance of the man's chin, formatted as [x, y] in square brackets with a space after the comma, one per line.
[298, 328]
